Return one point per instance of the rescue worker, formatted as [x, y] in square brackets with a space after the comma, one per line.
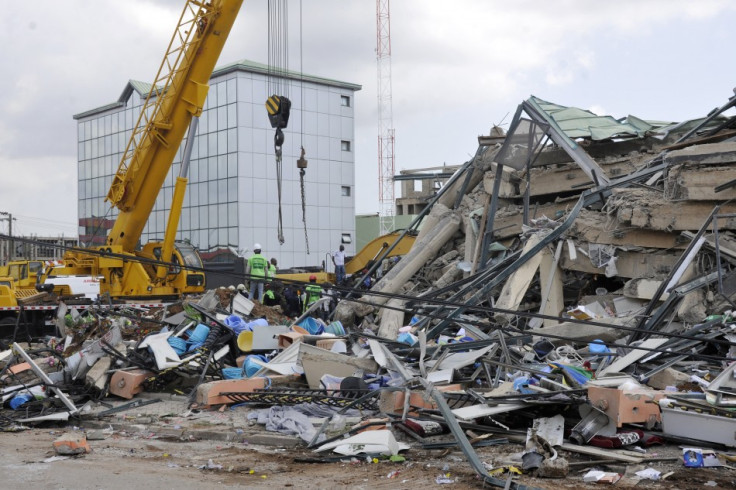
[312, 293]
[338, 260]
[269, 296]
[291, 297]
[328, 306]
[257, 271]
[272, 268]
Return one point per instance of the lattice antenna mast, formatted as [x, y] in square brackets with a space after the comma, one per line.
[386, 137]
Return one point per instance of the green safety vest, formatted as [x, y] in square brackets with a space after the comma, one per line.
[314, 291]
[271, 271]
[257, 264]
[269, 294]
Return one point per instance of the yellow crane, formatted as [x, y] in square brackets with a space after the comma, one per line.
[176, 99]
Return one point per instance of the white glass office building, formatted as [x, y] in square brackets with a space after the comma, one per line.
[232, 198]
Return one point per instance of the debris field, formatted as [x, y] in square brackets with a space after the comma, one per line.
[565, 317]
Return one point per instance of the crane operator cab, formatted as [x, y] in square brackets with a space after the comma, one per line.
[186, 279]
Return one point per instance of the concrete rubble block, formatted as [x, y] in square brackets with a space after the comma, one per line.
[72, 444]
[318, 362]
[553, 468]
[450, 274]
[95, 435]
[698, 183]
[98, 374]
[347, 311]
[643, 288]
[644, 208]
[393, 401]
[479, 170]
[704, 154]
[630, 264]
[627, 406]
[598, 227]
[209, 394]
[507, 189]
[127, 384]
[668, 377]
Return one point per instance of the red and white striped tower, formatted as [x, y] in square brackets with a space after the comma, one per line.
[386, 164]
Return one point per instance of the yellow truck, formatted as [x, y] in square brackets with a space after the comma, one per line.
[362, 260]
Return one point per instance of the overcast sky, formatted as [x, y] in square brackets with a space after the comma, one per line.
[458, 67]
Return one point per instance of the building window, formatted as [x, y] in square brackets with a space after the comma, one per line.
[345, 100]
[346, 238]
[345, 191]
[345, 145]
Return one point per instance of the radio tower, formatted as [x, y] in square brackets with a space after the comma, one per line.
[386, 165]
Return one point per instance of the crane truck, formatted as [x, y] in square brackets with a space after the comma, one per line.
[166, 269]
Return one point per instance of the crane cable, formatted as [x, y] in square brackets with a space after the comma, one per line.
[302, 162]
[278, 104]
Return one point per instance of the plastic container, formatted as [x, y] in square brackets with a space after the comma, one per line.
[235, 323]
[335, 328]
[199, 335]
[179, 345]
[194, 346]
[312, 326]
[598, 347]
[232, 373]
[18, 400]
[251, 368]
[258, 322]
[407, 338]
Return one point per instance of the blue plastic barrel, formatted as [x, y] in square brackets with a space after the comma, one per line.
[199, 335]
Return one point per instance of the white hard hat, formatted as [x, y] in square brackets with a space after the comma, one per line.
[257, 246]
[241, 287]
[231, 287]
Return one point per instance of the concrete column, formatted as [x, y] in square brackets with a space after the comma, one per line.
[424, 249]
[391, 320]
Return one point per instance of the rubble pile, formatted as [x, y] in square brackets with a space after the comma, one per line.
[571, 290]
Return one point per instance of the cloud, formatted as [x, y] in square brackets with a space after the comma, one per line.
[458, 67]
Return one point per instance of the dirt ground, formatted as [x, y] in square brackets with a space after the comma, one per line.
[130, 461]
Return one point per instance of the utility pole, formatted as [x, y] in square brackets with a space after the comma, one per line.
[9, 218]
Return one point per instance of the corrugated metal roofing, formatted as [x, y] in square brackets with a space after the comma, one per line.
[580, 123]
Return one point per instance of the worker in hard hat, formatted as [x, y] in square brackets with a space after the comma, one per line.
[312, 292]
[257, 271]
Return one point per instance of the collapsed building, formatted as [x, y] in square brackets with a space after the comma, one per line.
[572, 285]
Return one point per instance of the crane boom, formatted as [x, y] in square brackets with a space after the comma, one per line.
[177, 95]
